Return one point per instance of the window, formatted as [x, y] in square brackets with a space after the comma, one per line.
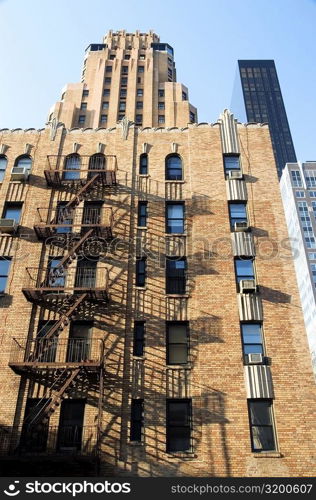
[139, 105]
[137, 420]
[312, 255]
[24, 161]
[139, 119]
[107, 80]
[142, 213]
[85, 93]
[173, 167]
[176, 275]
[12, 211]
[251, 338]
[161, 119]
[192, 117]
[139, 80]
[70, 428]
[140, 271]
[177, 343]
[184, 96]
[179, 425]
[83, 106]
[161, 105]
[46, 349]
[142, 57]
[122, 106]
[104, 118]
[175, 217]
[72, 167]
[64, 218]
[55, 278]
[3, 166]
[4, 272]
[296, 178]
[127, 56]
[108, 69]
[112, 56]
[244, 269]
[82, 119]
[140, 69]
[139, 338]
[312, 194]
[106, 92]
[261, 425]
[123, 93]
[79, 341]
[140, 92]
[120, 116]
[310, 176]
[105, 105]
[231, 162]
[86, 273]
[143, 164]
[299, 194]
[125, 69]
[237, 213]
[161, 93]
[124, 81]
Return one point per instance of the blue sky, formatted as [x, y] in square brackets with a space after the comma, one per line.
[43, 41]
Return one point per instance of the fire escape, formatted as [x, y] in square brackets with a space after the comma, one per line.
[72, 283]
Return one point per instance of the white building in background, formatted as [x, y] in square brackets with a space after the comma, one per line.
[298, 189]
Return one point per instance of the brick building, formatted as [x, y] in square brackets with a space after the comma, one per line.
[149, 312]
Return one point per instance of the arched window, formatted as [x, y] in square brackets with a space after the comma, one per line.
[97, 162]
[72, 167]
[24, 161]
[3, 166]
[174, 168]
[143, 164]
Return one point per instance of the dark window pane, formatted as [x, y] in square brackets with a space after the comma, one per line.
[175, 218]
[244, 269]
[137, 409]
[139, 336]
[237, 213]
[263, 438]
[72, 168]
[173, 168]
[177, 343]
[143, 164]
[179, 425]
[140, 272]
[142, 213]
[231, 163]
[13, 211]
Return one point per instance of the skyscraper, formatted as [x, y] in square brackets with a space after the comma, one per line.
[147, 328]
[257, 89]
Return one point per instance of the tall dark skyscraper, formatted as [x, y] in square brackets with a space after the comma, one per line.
[257, 87]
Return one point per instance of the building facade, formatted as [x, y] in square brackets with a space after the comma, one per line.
[257, 91]
[298, 190]
[146, 327]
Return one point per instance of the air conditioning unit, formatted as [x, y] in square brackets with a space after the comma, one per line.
[8, 225]
[241, 226]
[235, 174]
[255, 359]
[247, 286]
[19, 174]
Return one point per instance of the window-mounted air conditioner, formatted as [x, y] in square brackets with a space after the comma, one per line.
[241, 226]
[19, 174]
[247, 286]
[255, 359]
[8, 225]
[235, 174]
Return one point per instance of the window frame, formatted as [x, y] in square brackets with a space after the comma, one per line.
[140, 275]
[173, 177]
[180, 280]
[271, 425]
[170, 324]
[170, 425]
[143, 169]
[233, 220]
[228, 168]
[245, 276]
[12, 205]
[255, 344]
[3, 161]
[5, 276]
[140, 216]
[139, 338]
[136, 404]
[167, 218]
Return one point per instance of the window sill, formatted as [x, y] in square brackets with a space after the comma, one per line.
[267, 454]
[177, 181]
[178, 295]
[135, 443]
[139, 358]
[169, 235]
[186, 366]
[181, 454]
[143, 175]
[143, 228]
[140, 287]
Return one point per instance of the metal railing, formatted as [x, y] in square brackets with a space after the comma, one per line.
[72, 165]
[69, 218]
[49, 440]
[72, 278]
[56, 351]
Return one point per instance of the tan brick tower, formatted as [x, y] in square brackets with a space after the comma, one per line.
[150, 322]
[129, 74]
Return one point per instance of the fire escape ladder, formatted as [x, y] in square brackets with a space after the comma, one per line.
[72, 254]
[82, 192]
[43, 412]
